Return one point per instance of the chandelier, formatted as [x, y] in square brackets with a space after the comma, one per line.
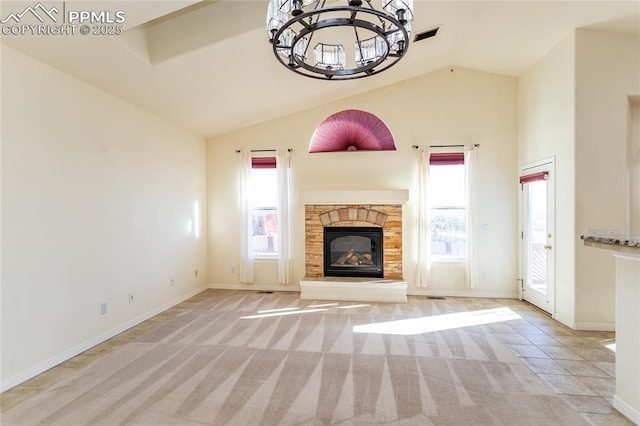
[351, 40]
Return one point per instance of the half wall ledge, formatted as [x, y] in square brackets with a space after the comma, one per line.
[353, 289]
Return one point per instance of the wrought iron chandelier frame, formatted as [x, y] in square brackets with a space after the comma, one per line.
[311, 21]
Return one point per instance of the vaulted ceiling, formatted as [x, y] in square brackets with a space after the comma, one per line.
[207, 65]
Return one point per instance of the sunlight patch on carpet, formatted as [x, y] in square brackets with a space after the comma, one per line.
[323, 305]
[409, 327]
[353, 306]
[310, 309]
[268, 311]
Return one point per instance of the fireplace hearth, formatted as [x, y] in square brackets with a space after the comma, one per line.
[353, 251]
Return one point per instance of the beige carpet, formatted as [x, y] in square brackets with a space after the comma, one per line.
[247, 358]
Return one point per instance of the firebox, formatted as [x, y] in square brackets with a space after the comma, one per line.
[353, 252]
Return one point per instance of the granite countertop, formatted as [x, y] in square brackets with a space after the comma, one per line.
[613, 240]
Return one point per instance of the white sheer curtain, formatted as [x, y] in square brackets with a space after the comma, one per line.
[246, 257]
[283, 208]
[471, 273]
[423, 275]
[423, 270]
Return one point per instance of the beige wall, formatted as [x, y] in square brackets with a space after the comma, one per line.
[607, 73]
[447, 106]
[96, 199]
[546, 130]
[574, 106]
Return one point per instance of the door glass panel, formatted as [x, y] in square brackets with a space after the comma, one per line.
[537, 227]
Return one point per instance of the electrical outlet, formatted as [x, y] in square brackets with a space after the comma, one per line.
[131, 298]
[103, 308]
[171, 282]
[196, 273]
[232, 269]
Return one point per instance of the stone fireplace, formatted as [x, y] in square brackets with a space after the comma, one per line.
[366, 212]
[386, 216]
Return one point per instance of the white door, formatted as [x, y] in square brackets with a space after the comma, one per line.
[538, 235]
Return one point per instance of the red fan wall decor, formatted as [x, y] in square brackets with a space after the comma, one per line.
[352, 130]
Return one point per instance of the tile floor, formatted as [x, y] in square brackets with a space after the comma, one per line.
[579, 365]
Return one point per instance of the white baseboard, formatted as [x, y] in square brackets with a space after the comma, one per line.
[585, 326]
[594, 326]
[256, 287]
[564, 320]
[626, 410]
[461, 293]
[76, 350]
[410, 291]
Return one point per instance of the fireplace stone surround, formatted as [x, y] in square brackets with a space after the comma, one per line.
[354, 209]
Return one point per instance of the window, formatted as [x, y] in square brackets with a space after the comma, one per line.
[264, 183]
[447, 206]
[265, 206]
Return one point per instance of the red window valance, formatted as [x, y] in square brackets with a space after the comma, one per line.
[533, 177]
[263, 163]
[446, 158]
